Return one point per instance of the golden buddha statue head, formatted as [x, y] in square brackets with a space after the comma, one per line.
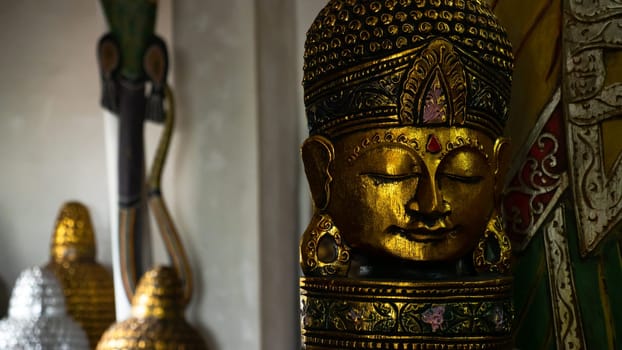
[406, 102]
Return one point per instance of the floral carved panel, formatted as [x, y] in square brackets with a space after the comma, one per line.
[591, 30]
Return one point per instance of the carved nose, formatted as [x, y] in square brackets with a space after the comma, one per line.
[427, 206]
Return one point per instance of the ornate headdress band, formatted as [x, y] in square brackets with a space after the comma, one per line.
[415, 70]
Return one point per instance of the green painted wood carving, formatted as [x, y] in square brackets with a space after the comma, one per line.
[132, 23]
[564, 198]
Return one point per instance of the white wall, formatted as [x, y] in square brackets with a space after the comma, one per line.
[216, 164]
[51, 140]
[51, 127]
[231, 185]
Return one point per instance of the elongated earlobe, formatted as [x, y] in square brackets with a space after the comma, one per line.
[317, 155]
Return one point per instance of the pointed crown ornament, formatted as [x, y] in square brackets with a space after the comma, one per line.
[37, 316]
[74, 238]
[157, 320]
[87, 285]
[406, 101]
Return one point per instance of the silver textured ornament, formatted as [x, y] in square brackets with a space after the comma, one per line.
[37, 318]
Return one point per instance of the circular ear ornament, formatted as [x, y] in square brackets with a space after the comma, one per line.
[493, 252]
[323, 251]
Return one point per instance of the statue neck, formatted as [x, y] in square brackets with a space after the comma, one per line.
[377, 267]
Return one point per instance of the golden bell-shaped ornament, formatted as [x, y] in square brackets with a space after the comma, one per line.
[88, 286]
[37, 316]
[157, 319]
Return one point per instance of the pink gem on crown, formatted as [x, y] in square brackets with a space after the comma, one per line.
[435, 108]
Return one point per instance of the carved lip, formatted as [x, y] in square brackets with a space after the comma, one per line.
[422, 235]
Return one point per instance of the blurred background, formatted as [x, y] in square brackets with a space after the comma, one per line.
[233, 182]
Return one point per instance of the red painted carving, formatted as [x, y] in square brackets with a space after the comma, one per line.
[533, 190]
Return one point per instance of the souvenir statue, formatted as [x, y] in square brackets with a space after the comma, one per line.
[131, 55]
[157, 321]
[87, 285]
[37, 316]
[131, 58]
[406, 104]
[132, 61]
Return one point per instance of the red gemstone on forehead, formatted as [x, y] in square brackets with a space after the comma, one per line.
[433, 146]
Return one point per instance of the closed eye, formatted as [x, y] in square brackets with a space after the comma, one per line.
[379, 179]
[464, 179]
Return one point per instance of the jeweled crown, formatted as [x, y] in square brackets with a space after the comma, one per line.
[406, 62]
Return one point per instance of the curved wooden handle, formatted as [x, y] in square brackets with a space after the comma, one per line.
[167, 228]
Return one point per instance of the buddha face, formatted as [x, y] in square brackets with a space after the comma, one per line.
[413, 193]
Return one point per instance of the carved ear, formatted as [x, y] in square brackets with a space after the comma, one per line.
[317, 155]
[109, 59]
[155, 64]
[501, 164]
